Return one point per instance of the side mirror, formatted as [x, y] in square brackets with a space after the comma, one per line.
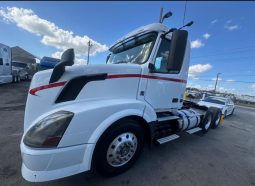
[151, 67]
[67, 59]
[177, 50]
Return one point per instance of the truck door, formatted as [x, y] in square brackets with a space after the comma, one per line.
[6, 60]
[166, 86]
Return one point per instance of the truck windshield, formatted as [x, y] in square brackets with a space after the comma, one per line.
[17, 64]
[136, 50]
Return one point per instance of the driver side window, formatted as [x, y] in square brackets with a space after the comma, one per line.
[162, 56]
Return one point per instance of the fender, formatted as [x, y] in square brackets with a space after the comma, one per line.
[147, 114]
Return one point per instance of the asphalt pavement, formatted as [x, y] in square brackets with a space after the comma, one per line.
[224, 156]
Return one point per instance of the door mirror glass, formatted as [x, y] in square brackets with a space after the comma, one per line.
[158, 63]
[177, 50]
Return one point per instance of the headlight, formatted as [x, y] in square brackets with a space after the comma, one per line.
[48, 131]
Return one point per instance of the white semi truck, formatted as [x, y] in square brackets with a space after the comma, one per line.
[7, 73]
[83, 116]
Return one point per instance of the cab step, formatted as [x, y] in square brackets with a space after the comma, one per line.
[167, 139]
[192, 131]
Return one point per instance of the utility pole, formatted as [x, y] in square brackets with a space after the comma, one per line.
[161, 15]
[89, 46]
[216, 82]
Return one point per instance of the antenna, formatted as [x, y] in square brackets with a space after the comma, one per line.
[160, 15]
[184, 13]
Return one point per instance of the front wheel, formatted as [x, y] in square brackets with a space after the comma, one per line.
[119, 147]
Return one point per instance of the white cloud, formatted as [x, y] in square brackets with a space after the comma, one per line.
[232, 27]
[229, 21]
[206, 36]
[229, 25]
[197, 43]
[78, 60]
[199, 68]
[253, 87]
[214, 79]
[57, 54]
[230, 80]
[51, 34]
[214, 21]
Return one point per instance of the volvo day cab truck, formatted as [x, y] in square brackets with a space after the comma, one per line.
[80, 117]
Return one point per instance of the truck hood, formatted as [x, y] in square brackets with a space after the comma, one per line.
[207, 104]
[122, 82]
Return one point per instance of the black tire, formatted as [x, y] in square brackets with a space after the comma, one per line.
[18, 78]
[121, 127]
[13, 79]
[216, 113]
[232, 111]
[206, 121]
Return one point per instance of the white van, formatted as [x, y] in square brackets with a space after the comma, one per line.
[5, 64]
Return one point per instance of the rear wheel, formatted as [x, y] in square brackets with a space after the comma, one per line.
[216, 113]
[206, 121]
[119, 147]
[18, 78]
[15, 79]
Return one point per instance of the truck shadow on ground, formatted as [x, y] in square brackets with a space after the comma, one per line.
[148, 170]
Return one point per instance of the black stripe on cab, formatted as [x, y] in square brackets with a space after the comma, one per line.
[74, 86]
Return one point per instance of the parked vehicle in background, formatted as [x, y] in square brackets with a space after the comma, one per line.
[6, 64]
[225, 104]
[22, 69]
[48, 63]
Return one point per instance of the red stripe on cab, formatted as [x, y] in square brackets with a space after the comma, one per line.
[145, 76]
[43, 87]
[113, 76]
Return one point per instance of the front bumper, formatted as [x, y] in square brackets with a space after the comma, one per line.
[40, 165]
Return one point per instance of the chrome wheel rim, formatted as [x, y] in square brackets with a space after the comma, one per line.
[122, 149]
[218, 119]
[208, 122]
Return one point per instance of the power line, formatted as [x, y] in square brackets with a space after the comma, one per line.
[233, 75]
[234, 81]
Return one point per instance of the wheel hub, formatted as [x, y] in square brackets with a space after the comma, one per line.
[121, 149]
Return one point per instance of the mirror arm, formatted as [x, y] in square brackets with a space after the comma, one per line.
[151, 68]
[169, 31]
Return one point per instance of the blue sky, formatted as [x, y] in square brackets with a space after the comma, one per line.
[222, 35]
